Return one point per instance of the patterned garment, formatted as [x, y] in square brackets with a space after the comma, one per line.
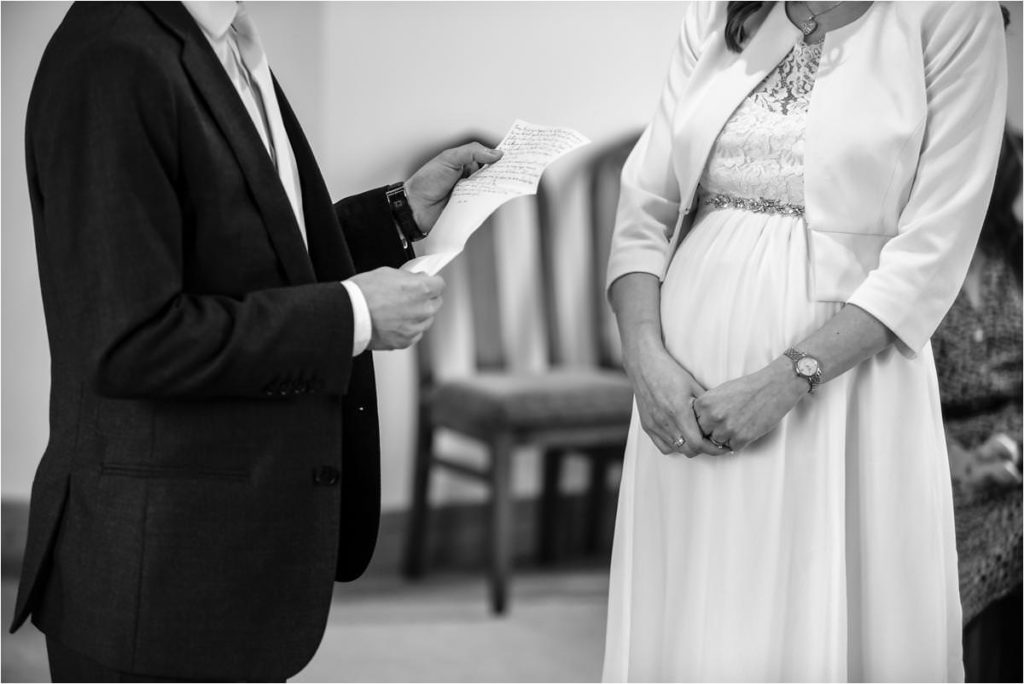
[979, 361]
[761, 148]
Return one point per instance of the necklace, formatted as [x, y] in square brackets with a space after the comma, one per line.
[810, 24]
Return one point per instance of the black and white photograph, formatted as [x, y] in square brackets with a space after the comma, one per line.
[511, 341]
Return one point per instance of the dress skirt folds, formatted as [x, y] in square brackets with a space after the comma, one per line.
[824, 551]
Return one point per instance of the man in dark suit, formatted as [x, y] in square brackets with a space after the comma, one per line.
[213, 463]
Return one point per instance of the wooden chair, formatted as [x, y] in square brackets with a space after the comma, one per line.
[601, 176]
[565, 409]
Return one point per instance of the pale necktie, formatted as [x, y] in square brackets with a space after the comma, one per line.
[257, 70]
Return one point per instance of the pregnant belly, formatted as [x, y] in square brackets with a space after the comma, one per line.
[736, 294]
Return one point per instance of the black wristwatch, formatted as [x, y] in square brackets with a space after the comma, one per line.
[401, 212]
[805, 366]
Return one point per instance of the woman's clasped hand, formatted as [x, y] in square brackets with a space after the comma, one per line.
[739, 411]
[663, 391]
[680, 416]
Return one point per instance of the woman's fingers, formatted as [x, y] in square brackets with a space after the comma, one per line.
[689, 451]
[705, 432]
[664, 394]
[663, 430]
[681, 445]
[678, 433]
[696, 443]
[1003, 473]
[661, 426]
[669, 445]
[663, 446]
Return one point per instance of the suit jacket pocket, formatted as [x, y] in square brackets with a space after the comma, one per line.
[170, 472]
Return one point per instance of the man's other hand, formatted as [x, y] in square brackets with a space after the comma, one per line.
[402, 305]
[428, 189]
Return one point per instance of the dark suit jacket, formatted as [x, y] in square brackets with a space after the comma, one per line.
[213, 462]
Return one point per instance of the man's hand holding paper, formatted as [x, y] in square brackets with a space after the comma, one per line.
[402, 305]
[429, 188]
[528, 151]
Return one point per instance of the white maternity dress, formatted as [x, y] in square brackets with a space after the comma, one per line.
[825, 550]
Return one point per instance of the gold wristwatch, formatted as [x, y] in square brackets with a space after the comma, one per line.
[805, 366]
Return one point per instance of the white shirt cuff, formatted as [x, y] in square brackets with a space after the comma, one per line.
[362, 325]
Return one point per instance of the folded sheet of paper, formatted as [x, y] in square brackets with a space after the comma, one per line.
[529, 150]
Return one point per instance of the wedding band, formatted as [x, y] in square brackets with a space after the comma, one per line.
[720, 445]
[680, 441]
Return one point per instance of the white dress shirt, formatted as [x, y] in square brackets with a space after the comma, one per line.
[232, 35]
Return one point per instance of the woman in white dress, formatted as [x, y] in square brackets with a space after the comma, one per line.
[793, 225]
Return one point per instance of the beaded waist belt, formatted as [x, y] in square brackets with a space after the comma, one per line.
[760, 205]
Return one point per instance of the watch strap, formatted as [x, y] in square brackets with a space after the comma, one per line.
[401, 212]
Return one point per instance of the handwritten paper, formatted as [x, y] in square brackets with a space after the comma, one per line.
[529, 150]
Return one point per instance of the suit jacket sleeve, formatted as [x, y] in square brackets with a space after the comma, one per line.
[111, 214]
[921, 269]
[370, 232]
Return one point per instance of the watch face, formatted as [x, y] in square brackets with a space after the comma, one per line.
[807, 366]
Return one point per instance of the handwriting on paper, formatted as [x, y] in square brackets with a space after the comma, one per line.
[529, 150]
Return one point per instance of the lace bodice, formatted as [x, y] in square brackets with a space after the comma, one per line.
[760, 151]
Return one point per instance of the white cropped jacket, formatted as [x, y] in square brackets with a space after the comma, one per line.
[902, 139]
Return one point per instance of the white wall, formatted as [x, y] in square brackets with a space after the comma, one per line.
[377, 84]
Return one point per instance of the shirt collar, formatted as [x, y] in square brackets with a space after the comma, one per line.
[213, 17]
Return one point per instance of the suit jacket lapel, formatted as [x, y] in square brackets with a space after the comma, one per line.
[213, 84]
[723, 81]
[327, 248]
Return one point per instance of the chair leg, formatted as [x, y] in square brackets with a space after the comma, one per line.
[599, 463]
[501, 521]
[547, 520]
[419, 511]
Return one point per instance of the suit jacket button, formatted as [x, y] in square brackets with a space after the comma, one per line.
[326, 476]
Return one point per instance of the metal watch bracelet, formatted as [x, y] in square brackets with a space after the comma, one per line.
[811, 373]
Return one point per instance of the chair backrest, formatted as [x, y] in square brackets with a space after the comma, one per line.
[603, 174]
[478, 273]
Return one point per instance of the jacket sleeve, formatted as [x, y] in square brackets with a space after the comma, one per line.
[110, 219]
[649, 199]
[922, 268]
[370, 232]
